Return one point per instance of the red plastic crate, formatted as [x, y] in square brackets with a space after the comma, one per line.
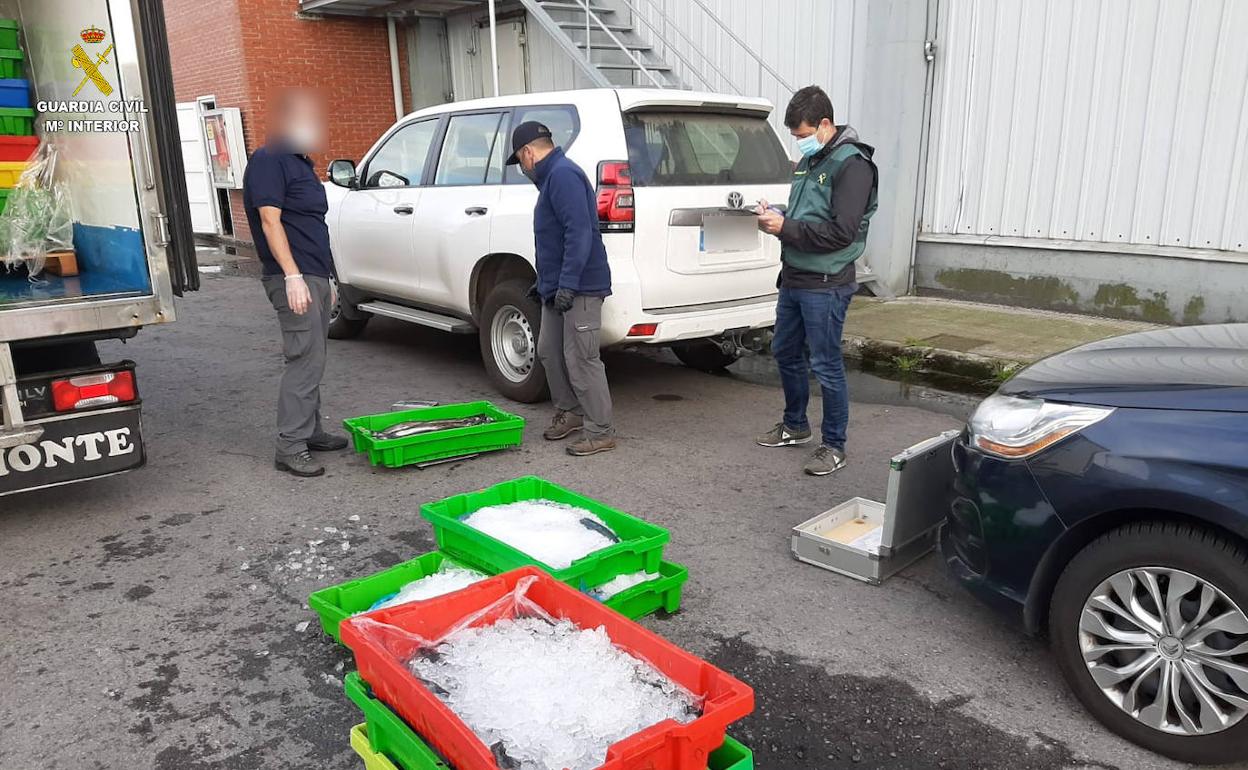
[667, 745]
[17, 148]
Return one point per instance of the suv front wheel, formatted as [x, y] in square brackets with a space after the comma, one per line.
[1150, 627]
[508, 334]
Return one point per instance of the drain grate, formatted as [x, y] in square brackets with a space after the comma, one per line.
[954, 342]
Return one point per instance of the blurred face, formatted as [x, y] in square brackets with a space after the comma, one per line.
[301, 120]
[527, 158]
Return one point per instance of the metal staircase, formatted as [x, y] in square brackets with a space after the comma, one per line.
[604, 39]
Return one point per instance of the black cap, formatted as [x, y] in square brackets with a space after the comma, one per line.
[529, 131]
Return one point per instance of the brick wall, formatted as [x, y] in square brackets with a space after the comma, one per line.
[244, 51]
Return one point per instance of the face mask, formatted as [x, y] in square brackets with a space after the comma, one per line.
[809, 145]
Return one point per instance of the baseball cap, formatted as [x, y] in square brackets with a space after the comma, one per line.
[526, 132]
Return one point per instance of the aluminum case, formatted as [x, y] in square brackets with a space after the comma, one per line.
[871, 541]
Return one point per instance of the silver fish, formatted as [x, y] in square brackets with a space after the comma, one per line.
[419, 427]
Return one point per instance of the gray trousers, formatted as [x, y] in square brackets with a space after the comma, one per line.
[303, 346]
[568, 347]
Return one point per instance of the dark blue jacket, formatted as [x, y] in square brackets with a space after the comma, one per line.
[570, 254]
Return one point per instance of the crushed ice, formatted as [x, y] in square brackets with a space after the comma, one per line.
[448, 578]
[621, 583]
[549, 696]
[553, 533]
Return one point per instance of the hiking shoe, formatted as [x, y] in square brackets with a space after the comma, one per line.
[563, 425]
[591, 445]
[825, 460]
[299, 464]
[783, 436]
[327, 442]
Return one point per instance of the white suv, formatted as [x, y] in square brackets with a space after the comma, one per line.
[435, 230]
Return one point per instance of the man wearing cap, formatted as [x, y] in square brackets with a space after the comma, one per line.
[573, 279]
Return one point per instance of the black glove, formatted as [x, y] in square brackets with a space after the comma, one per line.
[562, 302]
[533, 294]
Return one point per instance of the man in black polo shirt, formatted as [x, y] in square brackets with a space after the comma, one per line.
[286, 205]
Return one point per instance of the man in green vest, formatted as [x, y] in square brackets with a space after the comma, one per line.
[822, 232]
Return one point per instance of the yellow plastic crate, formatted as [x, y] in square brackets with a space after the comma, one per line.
[372, 759]
[11, 171]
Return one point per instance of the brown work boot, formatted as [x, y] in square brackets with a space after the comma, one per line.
[563, 425]
[591, 445]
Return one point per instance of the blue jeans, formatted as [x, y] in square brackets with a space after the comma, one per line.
[812, 319]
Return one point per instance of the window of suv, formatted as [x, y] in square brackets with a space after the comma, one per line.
[685, 148]
[404, 154]
[468, 152]
[562, 120]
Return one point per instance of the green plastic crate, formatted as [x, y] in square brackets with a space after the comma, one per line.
[388, 734]
[731, 756]
[507, 430]
[17, 121]
[8, 33]
[662, 593]
[11, 61]
[640, 547]
[337, 603]
[4, 198]
[391, 737]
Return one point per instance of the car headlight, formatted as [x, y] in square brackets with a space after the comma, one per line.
[1015, 428]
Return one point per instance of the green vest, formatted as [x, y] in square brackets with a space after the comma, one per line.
[810, 200]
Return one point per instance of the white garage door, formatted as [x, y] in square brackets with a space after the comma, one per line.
[199, 189]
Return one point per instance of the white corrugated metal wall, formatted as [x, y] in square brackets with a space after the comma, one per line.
[1113, 121]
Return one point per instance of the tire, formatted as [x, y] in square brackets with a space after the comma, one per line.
[704, 355]
[341, 327]
[508, 334]
[1187, 564]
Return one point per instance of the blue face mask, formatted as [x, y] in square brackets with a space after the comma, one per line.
[809, 145]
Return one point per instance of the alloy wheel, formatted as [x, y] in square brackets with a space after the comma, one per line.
[513, 344]
[1168, 648]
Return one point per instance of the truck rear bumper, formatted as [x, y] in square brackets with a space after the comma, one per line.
[74, 447]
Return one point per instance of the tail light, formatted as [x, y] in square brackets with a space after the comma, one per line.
[643, 330]
[615, 197]
[88, 390]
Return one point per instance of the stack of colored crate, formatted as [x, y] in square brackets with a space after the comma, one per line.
[393, 699]
[387, 739]
[17, 118]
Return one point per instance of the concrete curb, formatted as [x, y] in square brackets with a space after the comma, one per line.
[980, 370]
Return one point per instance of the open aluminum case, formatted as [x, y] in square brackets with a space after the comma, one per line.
[871, 541]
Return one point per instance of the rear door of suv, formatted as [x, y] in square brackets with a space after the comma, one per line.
[689, 162]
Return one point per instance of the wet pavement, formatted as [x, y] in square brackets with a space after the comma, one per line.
[154, 620]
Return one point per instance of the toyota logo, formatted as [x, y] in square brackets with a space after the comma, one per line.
[735, 200]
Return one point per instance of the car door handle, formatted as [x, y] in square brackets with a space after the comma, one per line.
[476, 211]
[404, 210]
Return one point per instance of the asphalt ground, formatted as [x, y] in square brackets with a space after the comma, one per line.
[153, 620]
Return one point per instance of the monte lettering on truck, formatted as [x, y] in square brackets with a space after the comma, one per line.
[73, 448]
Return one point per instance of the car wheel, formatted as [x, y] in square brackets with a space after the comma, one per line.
[1150, 629]
[704, 355]
[508, 333]
[341, 327]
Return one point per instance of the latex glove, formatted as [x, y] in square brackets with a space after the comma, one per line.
[533, 294]
[562, 302]
[297, 295]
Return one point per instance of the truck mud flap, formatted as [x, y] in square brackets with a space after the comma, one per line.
[75, 448]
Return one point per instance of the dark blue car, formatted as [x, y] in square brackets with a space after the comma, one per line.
[1101, 496]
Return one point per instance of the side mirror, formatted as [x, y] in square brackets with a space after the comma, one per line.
[342, 173]
[385, 178]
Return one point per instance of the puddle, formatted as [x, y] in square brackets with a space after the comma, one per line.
[807, 718]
